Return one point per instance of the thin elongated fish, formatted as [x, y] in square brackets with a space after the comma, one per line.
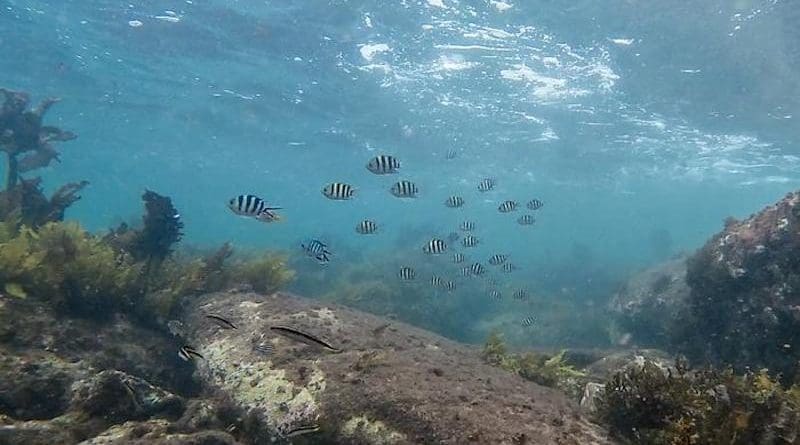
[507, 206]
[300, 430]
[486, 185]
[435, 247]
[188, 353]
[383, 165]
[338, 191]
[526, 220]
[404, 189]
[303, 337]
[221, 322]
[535, 204]
[454, 202]
[367, 227]
[254, 207]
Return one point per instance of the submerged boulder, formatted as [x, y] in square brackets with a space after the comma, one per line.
[745, 293]
[384, 382]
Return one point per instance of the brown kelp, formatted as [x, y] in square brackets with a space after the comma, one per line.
[648, 403]
[29, 145]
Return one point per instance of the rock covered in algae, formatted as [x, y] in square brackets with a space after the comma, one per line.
[390, 384]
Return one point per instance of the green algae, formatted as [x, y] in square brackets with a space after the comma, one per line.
[374, 432]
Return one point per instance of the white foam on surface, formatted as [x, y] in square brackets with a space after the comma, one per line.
[369, 51]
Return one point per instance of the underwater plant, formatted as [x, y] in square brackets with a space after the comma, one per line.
[647, 403]
[28, 145]
[265, 274]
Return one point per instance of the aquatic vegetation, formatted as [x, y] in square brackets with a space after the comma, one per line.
[647, 403]
[28, 145]
[548, 370]
[265, 274]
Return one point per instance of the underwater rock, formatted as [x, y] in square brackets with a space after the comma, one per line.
[650, 304]
[393, 384]
[604, 368]
[592, 393]
[745, 303]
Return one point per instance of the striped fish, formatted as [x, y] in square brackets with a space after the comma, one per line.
[486, 185]
[497, 259]
[383, 164]
[318, 250]
[509, 267]
[521, 294]
[467, 226]
[469, 241]
[477, 269]
[450, 286]
[367, 227]
[406, 273]
[535, 204]
[436, 281]
[495, 294]
[451, 154]
[188, 353]
[253, 206]
[263, 348]
[466, 271]
[404, 189]
[528, 321]
[526, 220]
[454, 202]
[507, 206]
[435, 247]
[458, 257]
[338, 191]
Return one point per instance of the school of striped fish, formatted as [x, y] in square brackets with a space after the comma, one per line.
[454, 245]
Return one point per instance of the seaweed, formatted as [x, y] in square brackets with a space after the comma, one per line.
[161, 229]
[646, 403]
[265, 274]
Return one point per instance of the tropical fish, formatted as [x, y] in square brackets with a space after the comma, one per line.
[253, 206]
[467, 226]
[404, 189]
[486, 185]
[495, 294]
[507, 206]
[221, 321]
[521, 294]
[383, 164]
[454, 201]
[451, 154]
[466, 271]
[526, 220]
[458, 257]
[318, 250]
[477, 269]
[406, 273]
[450, 286]
[303, 337]
[469, 241]
[367, 227]
[535, 204]
[509, 267]
[436, 281]
[300, 430]
[528, 321]
[497, 259]
[187, 353]
[435, 247]
[338, 191]
[264, 348]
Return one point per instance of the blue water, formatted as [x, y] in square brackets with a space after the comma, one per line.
[640, 126]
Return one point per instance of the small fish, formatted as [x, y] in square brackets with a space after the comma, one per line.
[187, 353]
[477, 269]
[451, 154]
[383, 165]
[486, 185]
[454, 202]
[338, 191]
[436, 281]
[497, 259]
[435, 247]
[466, 271]
[492, 282]
[507, 206]
[528, 321]
[367, 227]
[509, 267]
[469, 241]
[406, 273]
[303, 337]
[318, 250]
[495, 294]
[453, 237]
[264, 348]
[300, 430]
[253, 206]
[467, 226]
[521, 294]
[458, 257]
[526, 220]
[535, 204]
[404, 189]
[450, 286]
[223, 323]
